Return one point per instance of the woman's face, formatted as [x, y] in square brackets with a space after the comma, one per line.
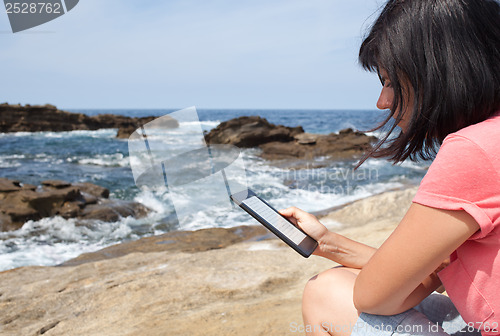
[386, 100]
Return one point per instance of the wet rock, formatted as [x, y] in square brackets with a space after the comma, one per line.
[285, 143]
[19, 203]
[346, 144]
[58, 184]
[178, 241]
[40, 118]
[250, 132]
[112, 210]
[9, 185]
[92, 189]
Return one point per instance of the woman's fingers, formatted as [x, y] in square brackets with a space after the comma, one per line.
[296, 213]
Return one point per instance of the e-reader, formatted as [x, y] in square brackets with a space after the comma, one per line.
[275, 222]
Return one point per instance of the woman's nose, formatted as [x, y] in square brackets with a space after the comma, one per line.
[386, 98]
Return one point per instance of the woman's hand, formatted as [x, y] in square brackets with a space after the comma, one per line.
[443, 265]
[331, 245]
[305, 221]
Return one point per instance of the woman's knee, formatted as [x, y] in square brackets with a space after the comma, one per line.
[327, 300]
[335, 279]
[333, 286]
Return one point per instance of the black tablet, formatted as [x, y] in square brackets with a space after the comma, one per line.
[275, 222]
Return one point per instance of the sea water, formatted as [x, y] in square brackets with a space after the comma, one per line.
[99, 157]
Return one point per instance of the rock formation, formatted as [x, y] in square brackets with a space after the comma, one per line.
[250, 132]
[337, 146]
[23, 202]
[47, 118]
[245, 289]
[278, 142]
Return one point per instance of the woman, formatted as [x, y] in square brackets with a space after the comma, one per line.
[439, 64]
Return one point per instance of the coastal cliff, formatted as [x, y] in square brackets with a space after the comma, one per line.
[48, 118]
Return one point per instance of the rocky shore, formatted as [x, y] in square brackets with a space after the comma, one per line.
[237, 281]
[241, 288]
[20, 203]
[47, 118]
[290, 145]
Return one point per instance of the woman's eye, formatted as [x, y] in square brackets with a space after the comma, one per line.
[386, 83]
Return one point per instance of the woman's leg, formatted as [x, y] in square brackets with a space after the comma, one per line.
[327, 305]
[328, 309]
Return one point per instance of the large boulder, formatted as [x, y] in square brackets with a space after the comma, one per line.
[279, 142]
[337, 146]
[40, 118]
[20, 203]
[250, 132]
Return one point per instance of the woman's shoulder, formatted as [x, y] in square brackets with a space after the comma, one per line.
[485, 135]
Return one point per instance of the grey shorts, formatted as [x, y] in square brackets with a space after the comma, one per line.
[434, 316]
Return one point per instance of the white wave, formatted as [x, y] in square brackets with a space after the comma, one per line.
[51, 241]
[155, 200]
[12, 156]
[43, 255]
[207, 123]
[107, 160]
[415, 165]
[9, 164]
[19, 134]
[101, 133]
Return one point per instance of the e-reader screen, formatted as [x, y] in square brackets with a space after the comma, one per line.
[275, 222]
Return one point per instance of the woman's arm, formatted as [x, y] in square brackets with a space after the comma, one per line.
[344, 251]
[402, 272]
[331, 245]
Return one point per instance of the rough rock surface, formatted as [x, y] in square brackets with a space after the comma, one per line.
[337, 146]
[250, 288]
[250, 132]
[40, 118]
[20, 203]
[278, 142]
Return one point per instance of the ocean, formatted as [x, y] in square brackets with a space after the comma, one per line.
[100, 158]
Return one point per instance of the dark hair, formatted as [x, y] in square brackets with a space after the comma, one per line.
[446, 53]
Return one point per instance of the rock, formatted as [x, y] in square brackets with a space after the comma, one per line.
[38, 118]
[58, 184]
[250, 132]
[346, 144]
[12, 217]
[48, 202]
[7, 185]
[111, 211]
[178, 241]
[124, 132]
[20, 203]
[284, 143]
[28, 186]
[92, 189]
[247, 289]
[306, 138]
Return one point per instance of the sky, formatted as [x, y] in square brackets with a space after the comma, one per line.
[142, 54]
